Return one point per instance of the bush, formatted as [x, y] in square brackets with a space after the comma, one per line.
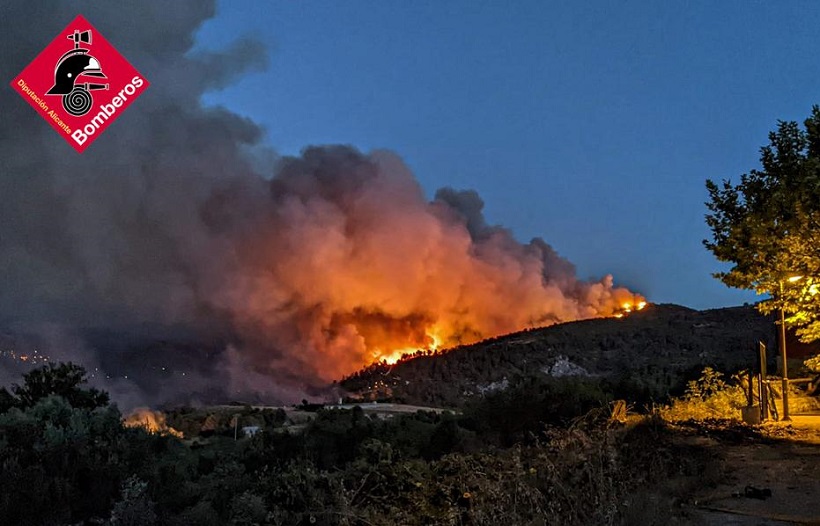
[710, 396]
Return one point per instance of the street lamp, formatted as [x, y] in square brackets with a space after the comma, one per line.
[786, 417]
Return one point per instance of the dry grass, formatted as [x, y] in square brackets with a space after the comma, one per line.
[597, 472]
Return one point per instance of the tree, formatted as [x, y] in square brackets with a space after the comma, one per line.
[62, 464]
[768, 225]
[135, 508]
[65, 380]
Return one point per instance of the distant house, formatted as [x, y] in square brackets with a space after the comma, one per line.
[250, 431]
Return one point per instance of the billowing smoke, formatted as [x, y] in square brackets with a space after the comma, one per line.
[299, 269]
[354, 263]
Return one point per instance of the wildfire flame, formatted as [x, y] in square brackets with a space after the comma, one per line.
[151, 421]
[392, 356]
[630, 306]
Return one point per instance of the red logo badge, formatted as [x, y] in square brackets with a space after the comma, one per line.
[80, 84]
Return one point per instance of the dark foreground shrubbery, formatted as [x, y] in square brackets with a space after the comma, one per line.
[518, 457]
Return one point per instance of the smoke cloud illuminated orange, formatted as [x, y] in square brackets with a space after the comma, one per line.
[273, 274]
[353, 265]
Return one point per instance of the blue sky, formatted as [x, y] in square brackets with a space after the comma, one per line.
[592, 125]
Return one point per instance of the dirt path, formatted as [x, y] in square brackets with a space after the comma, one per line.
[785, 461]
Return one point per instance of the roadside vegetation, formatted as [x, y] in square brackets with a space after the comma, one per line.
[536, 453]
[709, 397]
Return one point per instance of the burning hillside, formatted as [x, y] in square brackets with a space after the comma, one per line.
[309, 267]
[354, 265]
[647, 354]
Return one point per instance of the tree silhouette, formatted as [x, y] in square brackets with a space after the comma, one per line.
[65, 380]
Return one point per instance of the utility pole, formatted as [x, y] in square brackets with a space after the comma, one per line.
[792, 279]
[783, 359]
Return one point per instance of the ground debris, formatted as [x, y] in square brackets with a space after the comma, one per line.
[736, 432]
[722, 430]
[751, 492]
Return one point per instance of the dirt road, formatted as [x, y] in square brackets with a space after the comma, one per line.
[783, 459]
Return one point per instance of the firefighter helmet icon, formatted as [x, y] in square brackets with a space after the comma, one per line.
[74, 64]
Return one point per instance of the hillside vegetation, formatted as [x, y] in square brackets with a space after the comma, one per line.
[647, 355]
[67, 459]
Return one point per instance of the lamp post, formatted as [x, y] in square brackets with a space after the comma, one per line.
[783, 358]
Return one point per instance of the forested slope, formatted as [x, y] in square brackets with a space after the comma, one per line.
[651, 353]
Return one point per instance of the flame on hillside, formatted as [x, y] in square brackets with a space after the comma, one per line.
[436, 336]
[150, 420]
[391, 356]
[631, 306]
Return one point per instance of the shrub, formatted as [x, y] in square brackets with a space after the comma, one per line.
[710, 396]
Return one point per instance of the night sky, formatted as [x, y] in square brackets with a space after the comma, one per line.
[592, 125]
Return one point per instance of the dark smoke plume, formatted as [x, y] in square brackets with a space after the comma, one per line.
[169, 228]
